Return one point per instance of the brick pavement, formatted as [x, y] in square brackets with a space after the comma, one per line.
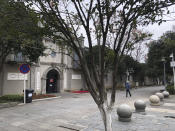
[78, 112]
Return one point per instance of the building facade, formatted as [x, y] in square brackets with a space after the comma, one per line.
[53, 73]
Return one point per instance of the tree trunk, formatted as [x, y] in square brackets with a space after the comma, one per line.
[106, 117]
[1, 79]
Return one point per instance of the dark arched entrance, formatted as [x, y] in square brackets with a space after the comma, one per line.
[52, 82]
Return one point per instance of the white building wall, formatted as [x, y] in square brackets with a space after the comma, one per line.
[38, 88]
[76, 80]
[15, 84]
[51, 48]
[65, 84]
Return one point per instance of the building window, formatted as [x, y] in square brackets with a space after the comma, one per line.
[19, 57]
[76, 61]
[53, 54]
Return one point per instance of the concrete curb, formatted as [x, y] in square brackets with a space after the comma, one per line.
[50, 98]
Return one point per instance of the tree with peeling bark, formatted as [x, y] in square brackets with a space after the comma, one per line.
[98, 20]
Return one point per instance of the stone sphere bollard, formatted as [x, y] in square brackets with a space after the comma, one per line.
[124, 113]
[166, 94]
[140, 106]
[160, 95]
[154, 100]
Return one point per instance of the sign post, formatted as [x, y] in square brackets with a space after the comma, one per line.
[24, 89]
[24, 69]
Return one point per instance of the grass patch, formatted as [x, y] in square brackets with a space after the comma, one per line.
[11, 98]
[170, 89]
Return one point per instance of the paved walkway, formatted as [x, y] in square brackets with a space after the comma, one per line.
[75, 112]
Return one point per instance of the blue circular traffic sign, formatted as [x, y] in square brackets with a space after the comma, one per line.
[24, 68]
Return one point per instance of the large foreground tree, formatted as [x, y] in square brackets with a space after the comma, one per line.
[105, 23]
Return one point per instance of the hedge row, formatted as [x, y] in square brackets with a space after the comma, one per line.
[13, 98]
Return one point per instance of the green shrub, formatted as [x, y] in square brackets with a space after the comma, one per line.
[170, 89]
[13, 98]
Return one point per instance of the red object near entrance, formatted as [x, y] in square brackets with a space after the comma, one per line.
[80, 91]
[51, 80]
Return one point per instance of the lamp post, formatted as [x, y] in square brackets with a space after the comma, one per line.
[173, 65]
[128, 72]
[164, 74]
[127, 75]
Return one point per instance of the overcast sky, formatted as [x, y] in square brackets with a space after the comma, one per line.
[158, 30]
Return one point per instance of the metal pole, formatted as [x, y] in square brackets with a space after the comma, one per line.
[164, 75]
[127, 74]
[30, 79]
[174, 77]
[24, 90]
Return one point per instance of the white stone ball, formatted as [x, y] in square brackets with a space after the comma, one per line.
[154, 99]
[140, 105]
[166, 94]
[124, 111]
[160, 95]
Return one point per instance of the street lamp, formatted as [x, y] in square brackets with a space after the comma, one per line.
[127, 75]
[128, 72]
[164, 74]
[172, 64]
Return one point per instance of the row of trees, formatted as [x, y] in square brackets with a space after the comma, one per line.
[127, 62]
[153, 67]
[162, 48]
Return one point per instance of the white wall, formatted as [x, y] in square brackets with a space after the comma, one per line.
[12, 86]
[51, 47]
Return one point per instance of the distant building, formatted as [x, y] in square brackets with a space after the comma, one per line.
[56, 72]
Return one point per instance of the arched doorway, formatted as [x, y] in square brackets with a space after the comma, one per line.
[52, 81]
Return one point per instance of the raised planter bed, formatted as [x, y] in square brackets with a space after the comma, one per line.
[80, 91]
[42, 96]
